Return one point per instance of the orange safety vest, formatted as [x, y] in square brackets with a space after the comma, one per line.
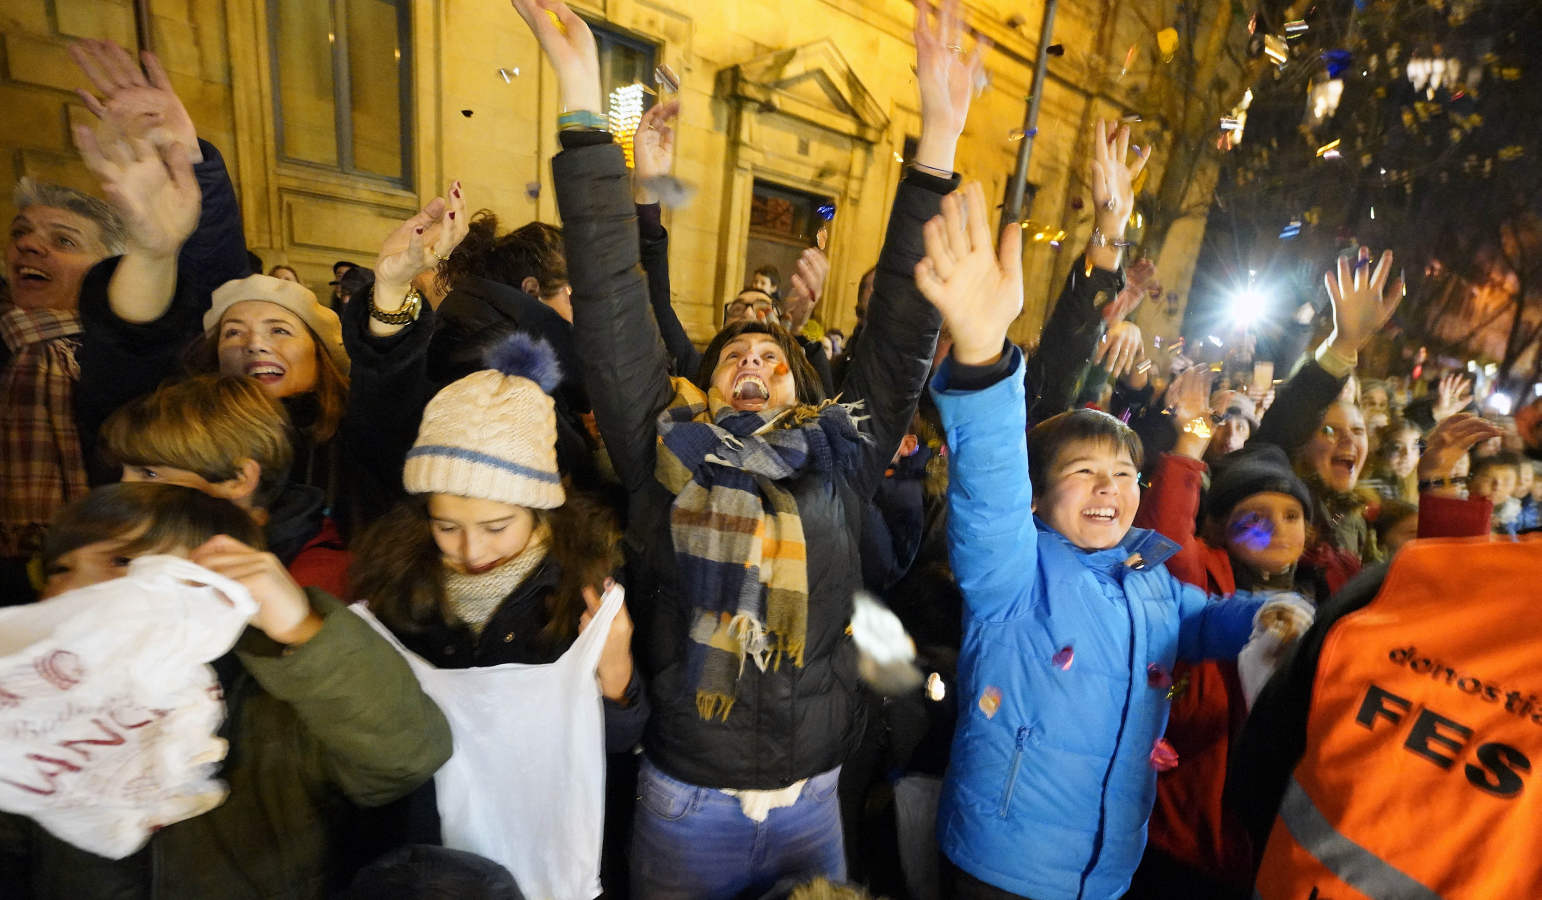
[1424, 730]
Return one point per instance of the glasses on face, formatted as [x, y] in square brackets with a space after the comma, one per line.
[750, 310]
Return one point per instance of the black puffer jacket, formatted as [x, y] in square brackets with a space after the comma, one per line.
[794, 722]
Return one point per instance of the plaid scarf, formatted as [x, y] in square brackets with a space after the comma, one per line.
[43, 466]
[739, 543]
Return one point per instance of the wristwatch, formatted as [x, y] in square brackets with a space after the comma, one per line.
[412, 305]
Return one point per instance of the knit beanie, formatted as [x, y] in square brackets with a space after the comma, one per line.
[297, 298]
[1254, 470]
[493, 434]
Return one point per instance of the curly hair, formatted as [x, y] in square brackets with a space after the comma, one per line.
[534, 250]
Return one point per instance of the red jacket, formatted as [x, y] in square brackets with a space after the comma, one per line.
[1188, 822]
[323, 561]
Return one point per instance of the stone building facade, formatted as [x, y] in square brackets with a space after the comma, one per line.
[338, 118]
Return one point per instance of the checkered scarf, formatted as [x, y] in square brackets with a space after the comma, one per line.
[739, 543]
[43, 467]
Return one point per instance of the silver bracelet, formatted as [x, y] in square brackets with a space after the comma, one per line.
[1099, 239]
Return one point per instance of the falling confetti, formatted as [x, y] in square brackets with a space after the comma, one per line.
[508, 74]
[1337, 61]
[1230, 123]
[1129, 60]
[1062, 659]
[1296, 28]
[826, 211]
[1163, 756]
[1330, 147]
[467, 113]
[1291, 230]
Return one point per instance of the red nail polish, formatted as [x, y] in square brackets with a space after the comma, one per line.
[452, 213]
[456, 192]
[420, 230]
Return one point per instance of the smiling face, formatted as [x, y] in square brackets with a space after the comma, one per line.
[48, 255]
[1092, 491]
[753, 374]
[1266, 531]
[269, 343]
[477, 536]
[1336, 453]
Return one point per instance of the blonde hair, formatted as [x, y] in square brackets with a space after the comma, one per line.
[206, 424]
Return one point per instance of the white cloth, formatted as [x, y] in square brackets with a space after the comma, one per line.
[108, 709]
[1277, 625]
[526, 786]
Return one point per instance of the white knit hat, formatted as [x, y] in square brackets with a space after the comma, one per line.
[493, 434]
[297, 298]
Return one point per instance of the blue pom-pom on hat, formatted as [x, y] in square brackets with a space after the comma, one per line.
[523, 356]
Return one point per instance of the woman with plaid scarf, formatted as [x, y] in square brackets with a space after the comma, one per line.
[746, 488]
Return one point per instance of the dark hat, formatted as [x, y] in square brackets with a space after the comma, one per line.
[343, 262]
[1254, 470]
[356, 280]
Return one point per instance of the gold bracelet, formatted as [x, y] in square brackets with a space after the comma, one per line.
[1199, 426]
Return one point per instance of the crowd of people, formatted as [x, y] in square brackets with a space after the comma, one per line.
[1105, 567]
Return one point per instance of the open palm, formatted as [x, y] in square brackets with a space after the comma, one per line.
[134, 102]
[977, 286]
[152, 188]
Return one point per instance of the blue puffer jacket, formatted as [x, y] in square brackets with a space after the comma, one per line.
[1062, 675]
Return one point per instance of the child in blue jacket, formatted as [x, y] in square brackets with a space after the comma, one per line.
[1072, 623]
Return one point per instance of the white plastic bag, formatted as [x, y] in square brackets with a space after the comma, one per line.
[108, 709]
[526, 786]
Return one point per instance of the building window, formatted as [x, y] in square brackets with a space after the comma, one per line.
[342, 86]
[626, 77]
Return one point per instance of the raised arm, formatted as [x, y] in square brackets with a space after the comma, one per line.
[626, 367]
[1170, 506]
[389, 383]
[140, 103]
[979, 291]
[137, 317]
[889, 369]
[1363, 301]
[653, 151]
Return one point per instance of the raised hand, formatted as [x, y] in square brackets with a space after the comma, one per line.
[569, 45]
[152, 188]
[1113, 176]
[1121, 349]
[947, 78]
[653, 147]
[807, 283]
[976, 286]
[1451, 396]
[419, 243]
[1450, 441]
[283, 611]
[1363, 300]
[136, 104]
[1189, 395]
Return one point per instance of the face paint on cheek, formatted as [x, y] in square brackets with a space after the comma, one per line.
[782, 369]
[1252, 533]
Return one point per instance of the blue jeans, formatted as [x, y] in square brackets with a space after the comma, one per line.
[694, 843]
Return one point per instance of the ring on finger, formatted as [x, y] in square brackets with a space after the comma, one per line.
[435, 254]
[1109, 204]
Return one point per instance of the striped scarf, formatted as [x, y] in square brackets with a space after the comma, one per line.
[42, 467]
[738, 537]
